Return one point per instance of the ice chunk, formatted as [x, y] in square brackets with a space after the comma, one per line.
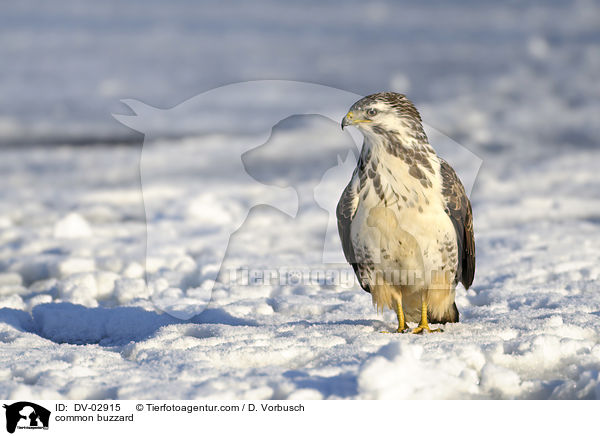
[72, 226]
[80, 289]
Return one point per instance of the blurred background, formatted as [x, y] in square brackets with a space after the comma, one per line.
[66, 64]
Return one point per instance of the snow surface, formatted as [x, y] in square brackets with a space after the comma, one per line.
[77, 318]
[79, 322]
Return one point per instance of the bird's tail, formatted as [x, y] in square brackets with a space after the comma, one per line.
[451, 315]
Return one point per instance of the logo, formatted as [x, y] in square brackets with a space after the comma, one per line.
[26, 415]
[233, 150]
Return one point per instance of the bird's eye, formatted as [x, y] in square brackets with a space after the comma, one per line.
[372, 112]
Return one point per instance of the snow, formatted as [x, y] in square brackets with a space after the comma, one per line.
[72, 226]
[79, 322]
[111, 291]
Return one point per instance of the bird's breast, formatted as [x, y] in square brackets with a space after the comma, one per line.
[399, 219]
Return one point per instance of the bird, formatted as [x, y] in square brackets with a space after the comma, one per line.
[404, 219]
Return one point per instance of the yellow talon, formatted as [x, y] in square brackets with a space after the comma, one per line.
[405, 330]
[421, 329]
[402, 327]
[424, 325]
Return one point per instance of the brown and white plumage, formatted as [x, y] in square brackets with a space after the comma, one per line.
[404, 219]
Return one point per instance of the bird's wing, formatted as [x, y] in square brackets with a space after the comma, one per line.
[458, 208]
[346, 208]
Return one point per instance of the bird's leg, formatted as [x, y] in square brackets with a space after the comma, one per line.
[400, 313]
[402, 327]
[424, 325]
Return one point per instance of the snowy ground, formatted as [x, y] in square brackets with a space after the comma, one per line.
[77, 320]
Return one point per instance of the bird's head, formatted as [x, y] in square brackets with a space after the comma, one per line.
[386, 113]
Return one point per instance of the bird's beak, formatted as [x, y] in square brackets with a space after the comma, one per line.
[350, 120]
[347, 120]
